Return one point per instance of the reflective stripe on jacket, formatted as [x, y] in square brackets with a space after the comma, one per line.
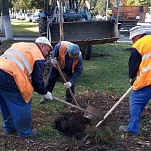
[62, 51]
[18, 61]
[143, 46]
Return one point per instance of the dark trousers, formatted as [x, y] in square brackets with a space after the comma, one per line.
[16, 113]
[51, 81]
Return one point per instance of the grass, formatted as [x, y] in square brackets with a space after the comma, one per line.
[23, 27]
[107, 73]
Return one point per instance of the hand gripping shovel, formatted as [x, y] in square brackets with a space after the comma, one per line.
[89, 113]
[64, 80]
[115, 105]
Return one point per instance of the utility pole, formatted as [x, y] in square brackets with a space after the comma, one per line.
[61, 21]
[117, 5]
[107, 5]
[6, 20]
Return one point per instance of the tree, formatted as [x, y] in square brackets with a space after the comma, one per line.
[6, 20]
[133, 2]
[0, 8]
[26, 4]
[100, 7]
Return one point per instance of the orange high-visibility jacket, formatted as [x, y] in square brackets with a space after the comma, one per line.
[62, 51]
[143, 46]
[18, 61]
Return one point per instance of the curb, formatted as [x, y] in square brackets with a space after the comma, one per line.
[19, 35]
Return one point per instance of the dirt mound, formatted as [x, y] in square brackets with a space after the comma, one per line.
[72, 125]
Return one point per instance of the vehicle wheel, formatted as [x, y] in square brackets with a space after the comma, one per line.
[42, 25]
[86, 51]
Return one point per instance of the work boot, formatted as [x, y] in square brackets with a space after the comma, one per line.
[124, 129]
[43, 100]
[12, 132]
[31, 135]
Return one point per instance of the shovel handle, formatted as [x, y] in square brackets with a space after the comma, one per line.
[64, 80]
[67, 103]
[115, 105]
[72, 105]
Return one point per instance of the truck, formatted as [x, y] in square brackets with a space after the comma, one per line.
[75, 23]
[129, 16]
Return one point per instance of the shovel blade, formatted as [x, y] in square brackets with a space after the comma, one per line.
[88, 114]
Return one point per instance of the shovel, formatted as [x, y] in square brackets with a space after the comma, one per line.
[115, 105]
[64, 80]
[89, 113]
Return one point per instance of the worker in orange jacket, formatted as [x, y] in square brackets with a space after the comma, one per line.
[140, 77]
[21, 72]
[70, 60]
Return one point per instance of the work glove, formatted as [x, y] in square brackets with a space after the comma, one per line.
[54, 61]
[48, 96]
[132, 80]
[68, 84]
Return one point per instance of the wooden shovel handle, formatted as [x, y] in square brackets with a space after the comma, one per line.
[64, 80]
[67, 103]
[115, 105]
[77, 107]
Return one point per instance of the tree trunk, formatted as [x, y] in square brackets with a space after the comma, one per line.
[1, 26]
[1, 23]
[6, 20]
[0, 7]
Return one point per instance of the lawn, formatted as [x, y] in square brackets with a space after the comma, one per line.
[24, 27]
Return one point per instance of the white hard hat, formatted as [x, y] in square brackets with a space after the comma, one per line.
[137, 30]
[43, 40]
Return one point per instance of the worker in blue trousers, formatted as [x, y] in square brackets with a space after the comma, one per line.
[21, 73]
[140, 77]
[70, 60]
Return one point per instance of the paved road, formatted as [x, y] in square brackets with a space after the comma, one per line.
[124, 35]
[146, 27]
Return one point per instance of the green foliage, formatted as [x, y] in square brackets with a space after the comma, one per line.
[100, 7]
[26, 4]
[133, 2]
[102, 135]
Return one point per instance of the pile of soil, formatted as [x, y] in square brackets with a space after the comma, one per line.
[72, 125]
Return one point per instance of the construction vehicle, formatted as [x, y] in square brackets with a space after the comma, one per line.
[75, 23]
[129, 16]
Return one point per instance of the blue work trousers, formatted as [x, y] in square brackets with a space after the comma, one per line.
[51, 81]
[16, 113]
[138, 101]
